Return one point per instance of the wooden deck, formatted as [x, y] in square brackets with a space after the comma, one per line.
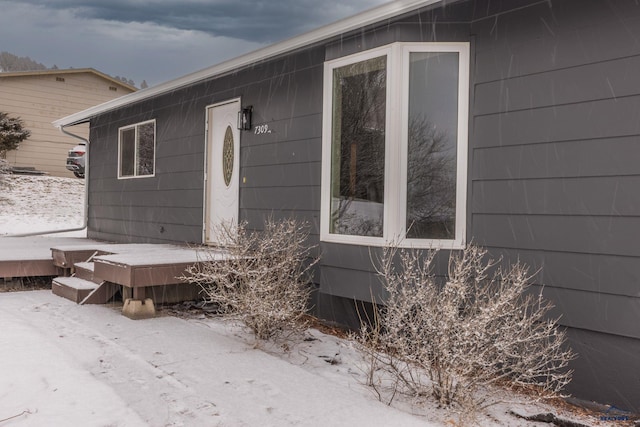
[92, 272]
[31, 256]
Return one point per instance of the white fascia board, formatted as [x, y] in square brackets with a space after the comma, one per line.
[369, 17]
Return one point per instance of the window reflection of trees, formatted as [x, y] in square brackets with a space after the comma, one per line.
[127, 151]
[362, 150]
[146, 148]
[360, 141]
[358, 164]
[431, 182]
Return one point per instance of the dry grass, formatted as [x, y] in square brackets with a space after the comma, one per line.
[19, 284]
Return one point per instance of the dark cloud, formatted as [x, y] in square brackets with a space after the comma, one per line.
[156, 40]
[260, 21]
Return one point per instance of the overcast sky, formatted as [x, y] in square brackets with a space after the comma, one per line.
[157, 40]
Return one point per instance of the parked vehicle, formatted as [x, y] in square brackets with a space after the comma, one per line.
[75, 160]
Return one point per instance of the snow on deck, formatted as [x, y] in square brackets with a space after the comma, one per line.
[163, 256]
[135, 254]
[36, 247]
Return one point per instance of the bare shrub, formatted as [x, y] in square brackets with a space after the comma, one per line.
[450, 337]
[263, 280]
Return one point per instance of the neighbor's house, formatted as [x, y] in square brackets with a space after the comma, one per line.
[39, 97]
[514, 125]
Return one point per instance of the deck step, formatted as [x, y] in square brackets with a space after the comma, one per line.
[84, 270]
[102, 294]
[72, 288]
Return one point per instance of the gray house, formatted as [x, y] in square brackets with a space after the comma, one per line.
[511, 124]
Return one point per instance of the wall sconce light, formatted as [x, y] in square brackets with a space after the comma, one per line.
[244, 118]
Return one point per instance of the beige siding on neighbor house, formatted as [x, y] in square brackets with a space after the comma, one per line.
[39, 98]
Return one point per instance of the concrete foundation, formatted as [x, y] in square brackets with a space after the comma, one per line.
[138, 309]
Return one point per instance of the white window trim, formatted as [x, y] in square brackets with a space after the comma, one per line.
[396, 135]
[135, 159]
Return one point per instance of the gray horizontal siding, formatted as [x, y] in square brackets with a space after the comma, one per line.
[177, 181]
[258, 217]
[282, 152]
[284, 175]
[577, 84]
[356, 285]
[137, 231]
[146, 198]
[597, 119]
[495, 9]
[424, 30]
[286, 130]
[280, 170]
[181, 162]
[606, 370]
[557, 35]
[192, 145]
[160, 215]
[592, 311]
[604, 274]
[614, 196]
[350, 257]
[281, 198]
[565, 233]
[349, 271]
[365, 258]
[555, 138]
[286, 94]
[264, 71]
[580, 158]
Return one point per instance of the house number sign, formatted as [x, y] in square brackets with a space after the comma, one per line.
[262, 129]
[227, 156]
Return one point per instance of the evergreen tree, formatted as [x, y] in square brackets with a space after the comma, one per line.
[12, 132]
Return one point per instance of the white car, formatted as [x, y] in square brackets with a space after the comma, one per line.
[75, 160]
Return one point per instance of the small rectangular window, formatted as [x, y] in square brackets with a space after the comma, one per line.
[137, 150]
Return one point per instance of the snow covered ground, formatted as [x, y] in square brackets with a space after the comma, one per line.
[70, 365]
[63, 364]
[41, 203]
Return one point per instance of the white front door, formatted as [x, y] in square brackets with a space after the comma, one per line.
[223, 164]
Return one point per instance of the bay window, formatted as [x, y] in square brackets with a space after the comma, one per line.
[395, 146]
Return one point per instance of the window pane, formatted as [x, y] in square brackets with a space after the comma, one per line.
[358, 148]
[127, 151]
[433, 124]
[146, 148]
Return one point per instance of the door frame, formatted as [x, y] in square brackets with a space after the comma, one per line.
[207, 229]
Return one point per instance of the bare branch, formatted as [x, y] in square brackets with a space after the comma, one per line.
[479, 327]
[265, 279]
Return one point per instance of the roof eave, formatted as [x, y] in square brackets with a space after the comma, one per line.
[366, 18]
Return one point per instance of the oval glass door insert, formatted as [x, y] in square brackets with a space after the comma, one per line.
[227, 156]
